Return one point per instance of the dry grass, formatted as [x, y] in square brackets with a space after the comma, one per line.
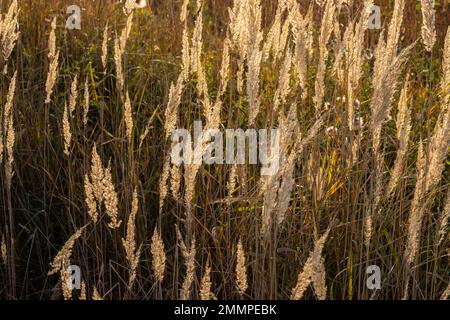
[85, 143]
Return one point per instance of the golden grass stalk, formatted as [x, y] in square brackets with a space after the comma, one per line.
[111, 200]
[3, 250]
[283, 88]
[118, 63]
[444, 219]
[128, 118]
[66, 130]
[189, 262]
[163, 186]
[326, 29]
[313, 272]
[206, 284]
[97, 175]
[86, 102]
[428, 24]
[403, 130]
[129, 243]
[175, 181]
[303, 42]
[184, 10]
[8, 125]
[274, 41]
[104, 56]
[241, 269]
[65, 253]
[446, 293]
[254, 56]
[83, 291]
[95, 294]
[65, 280]
[73, 95]
[90, 199]
[9, 31]
[158, 256]
[53, 56]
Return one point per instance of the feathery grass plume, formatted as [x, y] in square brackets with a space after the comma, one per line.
[313, 271]
[388, 65]
[416, 215]
[104, 56]
[66, 129]
[353, 47]
[158, 256]
[146, 130]
[171, 113]
[8, 125]
[403, 130]
[184, 10]
[278, 187]
[83, 291]
[86, 102]
[241, 269]
[53, 56]
[103, 188]
[231, 184]
[206, 284]
[65, 253]
[326, 29]
[111, 200]
[189, 262]
[446, 293]
[95, 294]
[302, 40]
[428, 24]
[446, 68]
[121, 42]
[90, 199]
[97, 175]
[273, 43]
[118, 63]
[175, 181]
[65, 280]
[73, 95]
[283, 88]
[3, 250]
[163, 186]
[254, 56]
[128, 117]
[129, 243]
[9, 31]
[239, 33]
[444, 219]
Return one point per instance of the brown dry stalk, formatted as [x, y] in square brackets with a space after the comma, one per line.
[313, 271]
[53, 56]
[428, 24]
[158, 256]
[241, 269]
